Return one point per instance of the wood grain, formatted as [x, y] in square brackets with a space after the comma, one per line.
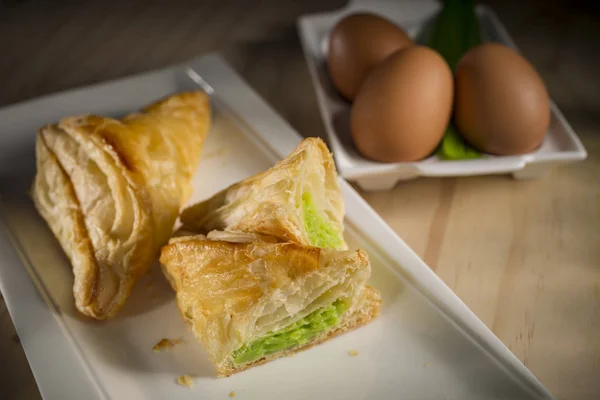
[524, 256]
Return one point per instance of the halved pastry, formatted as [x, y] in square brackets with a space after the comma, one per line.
[249, 303]
[110, 191]
[298, 200]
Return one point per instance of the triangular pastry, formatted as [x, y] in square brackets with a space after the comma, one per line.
[297, 200]
[111, 190]
[249, 303]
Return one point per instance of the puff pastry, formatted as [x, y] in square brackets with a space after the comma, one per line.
[249, 303]
[298, 200]
[110, 191]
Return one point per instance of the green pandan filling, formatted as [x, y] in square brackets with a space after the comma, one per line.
[320, 232]
[297, 334]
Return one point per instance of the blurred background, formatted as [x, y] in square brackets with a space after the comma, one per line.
[49, 46]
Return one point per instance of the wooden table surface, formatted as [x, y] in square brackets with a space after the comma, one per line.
[524, 256]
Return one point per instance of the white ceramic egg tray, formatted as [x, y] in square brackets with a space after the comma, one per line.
[561, 144]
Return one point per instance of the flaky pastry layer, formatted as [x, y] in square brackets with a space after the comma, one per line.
[110, 190]
[274, 202]
[234, 293]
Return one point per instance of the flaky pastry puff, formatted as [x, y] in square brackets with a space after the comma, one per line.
[297, 200]
[110, 190]
[249, 303]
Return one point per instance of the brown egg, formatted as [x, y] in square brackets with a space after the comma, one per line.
[357, 44]
[401, 111]
[501, 106]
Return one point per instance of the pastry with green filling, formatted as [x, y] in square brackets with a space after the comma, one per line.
[297, 200]
[251, 302]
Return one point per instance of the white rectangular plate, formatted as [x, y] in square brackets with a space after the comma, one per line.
[425, 345]
[560, 145]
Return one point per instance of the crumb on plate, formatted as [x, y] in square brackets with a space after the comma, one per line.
[185, 380]
[232, 394]
[426, 365]
[166, 344]
[352, 353]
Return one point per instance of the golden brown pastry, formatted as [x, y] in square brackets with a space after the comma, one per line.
[298, 200]
[111, 190]
[249, 303]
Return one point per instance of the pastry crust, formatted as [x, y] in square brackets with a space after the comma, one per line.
[234, 293]
[361, 316]
[111, 190]
[270, 203]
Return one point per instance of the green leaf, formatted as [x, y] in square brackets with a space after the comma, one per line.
[454, 147]
[455, 31]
